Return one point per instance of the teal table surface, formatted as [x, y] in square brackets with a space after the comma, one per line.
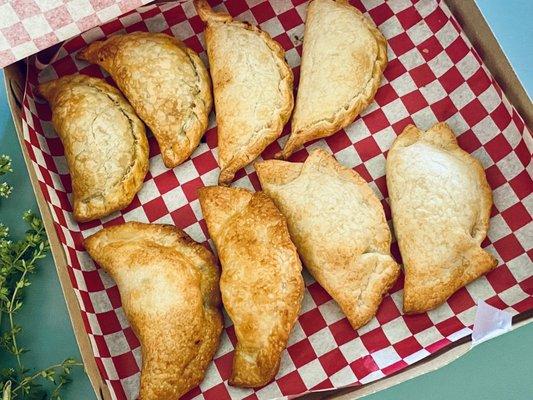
[501, 368]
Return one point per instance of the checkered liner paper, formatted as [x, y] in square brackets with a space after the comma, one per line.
[434, 74]
[27, 26]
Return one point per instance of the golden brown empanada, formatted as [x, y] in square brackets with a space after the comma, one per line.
[440, 202]
[339, 228]
[261, 282]
[168, 285]
[166, 83]
[343, 59]
[105, 143]
[252, 86]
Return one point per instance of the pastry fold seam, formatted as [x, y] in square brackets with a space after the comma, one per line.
[127, 173]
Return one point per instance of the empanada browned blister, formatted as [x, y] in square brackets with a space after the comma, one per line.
[339, 228]
[252, 85]
[440, 202]
[168, 285]
[166, 83]
[104, 140]
[261, 282]
[343, 59]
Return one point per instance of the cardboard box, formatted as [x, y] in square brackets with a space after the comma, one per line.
[478, 32]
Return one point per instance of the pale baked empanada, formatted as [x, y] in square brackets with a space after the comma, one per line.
[105, 143]
[440, 202]
[261, 282]
[339, 228]
[343, 59]
[252, 86]
[166, 83]
[168, 285]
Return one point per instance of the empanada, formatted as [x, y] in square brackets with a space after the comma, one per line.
[339, 228]
[343, 59]
[252, 86]
[261, 282]
[105, 143]
[440, 202]
[166, 83]
[168, 285]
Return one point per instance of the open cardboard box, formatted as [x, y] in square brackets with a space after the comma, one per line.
[479, 33]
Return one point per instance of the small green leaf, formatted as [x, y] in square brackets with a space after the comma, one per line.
[6, 391]
[5, 190]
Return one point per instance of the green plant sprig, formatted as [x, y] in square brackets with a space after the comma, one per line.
[28, 386]
[5, 167]
[18, 260]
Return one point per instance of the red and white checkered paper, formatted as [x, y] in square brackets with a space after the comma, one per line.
[28, 26]
[433, 75]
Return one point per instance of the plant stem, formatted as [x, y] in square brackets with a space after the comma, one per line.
[6, 391]
[13, 298]
[21, 253]
[10, 313]
[25, 381]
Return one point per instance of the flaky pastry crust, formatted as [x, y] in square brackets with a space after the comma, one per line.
[252, 85]
[166, 83]
[339, 228]
[104, 140]
[344, 56]
[168, 285]
[261, 282]
[441, 203]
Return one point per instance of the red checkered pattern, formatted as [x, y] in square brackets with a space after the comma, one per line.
[28, 26]
[434, 75]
